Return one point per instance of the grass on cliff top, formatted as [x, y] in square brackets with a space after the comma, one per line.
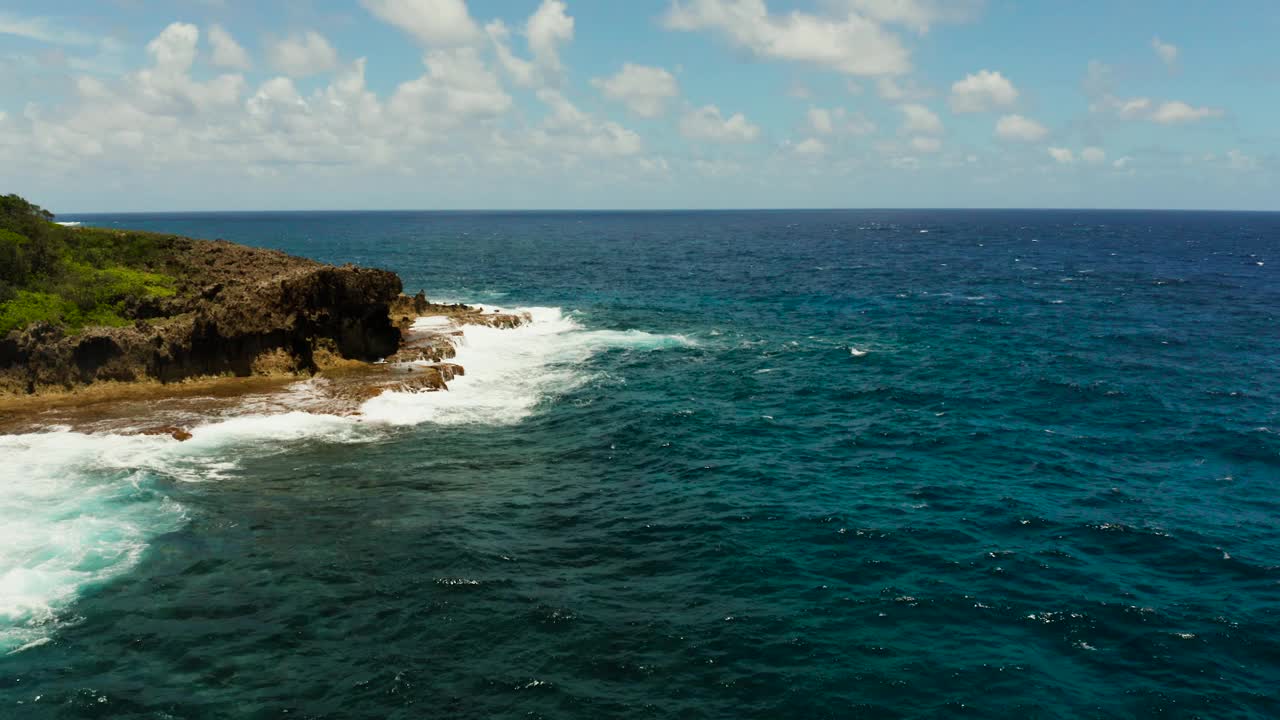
[73, 277]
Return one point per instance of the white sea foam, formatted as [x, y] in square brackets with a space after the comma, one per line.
[508, 372]
[856, 352]
[69, 223]
[79, 509]
[74, 511]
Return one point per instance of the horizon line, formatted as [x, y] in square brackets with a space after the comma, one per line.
[670, 210]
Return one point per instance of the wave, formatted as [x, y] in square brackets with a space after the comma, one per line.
[78, 509]
[508, 372]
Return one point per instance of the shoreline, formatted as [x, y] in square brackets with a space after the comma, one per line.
[428, 340]
[121, 324]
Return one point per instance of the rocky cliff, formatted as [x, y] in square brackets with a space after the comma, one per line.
[235, 311]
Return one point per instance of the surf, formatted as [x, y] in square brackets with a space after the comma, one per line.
[80, 509]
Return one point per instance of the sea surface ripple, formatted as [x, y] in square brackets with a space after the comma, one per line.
[754, 464]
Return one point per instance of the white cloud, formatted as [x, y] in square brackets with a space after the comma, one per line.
[521, 71]
[706, 123]
[810, 147]
[547, 29]
[227, 52]
[1168, 52]
[644, 90]
[438, 23]
[982, 91]
[920, 120]
[1020, 129]
[1062, 155]
[303, 55]
[451, 122]
[456, 87]
[571, 132]
[136, 117]
[820, 120]
[918, 15]
[853, 44]
[166, 86]
[42, 29]
[1133, 107]
[1176, 111]
[1123, 163]
[1237, 160]
[1169, 112]
[823, 121]
[926, 144]
[1093, 155]
[175, 47]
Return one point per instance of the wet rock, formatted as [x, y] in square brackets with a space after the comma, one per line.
[177, 433]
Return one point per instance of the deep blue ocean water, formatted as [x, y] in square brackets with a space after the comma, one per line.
[838, 464]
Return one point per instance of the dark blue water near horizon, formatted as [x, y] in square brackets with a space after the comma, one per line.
[990, 464]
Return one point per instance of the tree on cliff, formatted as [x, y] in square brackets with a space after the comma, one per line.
[71, 276]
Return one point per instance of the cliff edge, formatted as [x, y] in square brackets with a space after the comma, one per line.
[85, 305]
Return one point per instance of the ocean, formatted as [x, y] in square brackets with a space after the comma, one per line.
[782, 464]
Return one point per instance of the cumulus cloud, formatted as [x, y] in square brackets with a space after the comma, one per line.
[453, 120]
[1169, 112]
[1062, 155]
[1176, 111]
[810, 147]
[1093, 155]
[834, 121]
[166, 85]
[644, 90]
[1167, 52]
[706, 123]
[1020, 129]
[982, 91]
[547, 29]
[918, 119]
[227, 52]
[571, 132]
[1237, 160]
[303, 55]
[852, 44]
[820, 120]
[918, 15]
[135, 116]
[521, 71]
[439, 23]
[456, 87]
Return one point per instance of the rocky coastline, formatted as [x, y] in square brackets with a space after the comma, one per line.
[242, 321]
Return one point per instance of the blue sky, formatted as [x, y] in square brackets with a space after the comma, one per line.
[455, 104]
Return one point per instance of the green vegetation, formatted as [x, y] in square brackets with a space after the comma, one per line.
[73, 276]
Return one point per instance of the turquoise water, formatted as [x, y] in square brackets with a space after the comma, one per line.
[778, 464]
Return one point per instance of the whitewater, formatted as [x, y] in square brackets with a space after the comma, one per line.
[78, 509]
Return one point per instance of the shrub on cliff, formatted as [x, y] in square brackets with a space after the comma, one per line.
[72, 276]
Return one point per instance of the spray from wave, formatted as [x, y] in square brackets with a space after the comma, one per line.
[78, 509]
[510, 371]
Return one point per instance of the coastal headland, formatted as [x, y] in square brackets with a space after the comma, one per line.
[92, 316]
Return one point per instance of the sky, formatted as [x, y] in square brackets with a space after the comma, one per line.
[148, 105]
